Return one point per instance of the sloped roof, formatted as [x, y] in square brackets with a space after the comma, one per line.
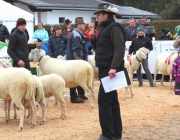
[87, 5]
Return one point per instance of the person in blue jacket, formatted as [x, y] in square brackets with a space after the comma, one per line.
[41, 35]
[57, 43]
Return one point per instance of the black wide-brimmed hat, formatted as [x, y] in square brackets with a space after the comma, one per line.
[106, 7]
[67, 21]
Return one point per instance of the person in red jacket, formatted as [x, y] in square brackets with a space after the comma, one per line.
[88, 43]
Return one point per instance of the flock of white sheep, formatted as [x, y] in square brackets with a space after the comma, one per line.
[54, 75]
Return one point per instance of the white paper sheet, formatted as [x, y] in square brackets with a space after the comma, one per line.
[115, 83]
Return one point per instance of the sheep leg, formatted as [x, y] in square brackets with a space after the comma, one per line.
[155, 74]
[20, 106]
[90, 95]
[15, 114]
[47, 101]
[125, 93]
[33, 111]
[131, 78]
[43, 108]
[9, 105]
[55, 102]
[170, 84]
[131, 90]
[162, 79]
[5, 111]
[63, 106]
[92, 92]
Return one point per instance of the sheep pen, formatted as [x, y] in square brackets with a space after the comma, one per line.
[152, 114]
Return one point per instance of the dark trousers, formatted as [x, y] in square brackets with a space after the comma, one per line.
[2, 40]
[146, 69]
[27, 65]
[73, 92]
[109, 110]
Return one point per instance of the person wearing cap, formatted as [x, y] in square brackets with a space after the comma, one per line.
[76, 49]
[17, 46]
[109, 48]
[166, 34]
[149, 29]
[68, 29]
[176, 73]
[138, 42]
[131, 30]
[57, 43]
[4, 33]
[88, 43]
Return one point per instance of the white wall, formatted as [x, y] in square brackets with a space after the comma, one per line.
[52, 17]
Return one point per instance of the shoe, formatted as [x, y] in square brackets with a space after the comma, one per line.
[140, 84]
[117, 138]
[151, 85]
[104, 138]
[83, 97]
[77, 100]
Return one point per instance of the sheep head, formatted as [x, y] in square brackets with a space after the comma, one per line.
[60, 57]
[143, 52]
[35, 54]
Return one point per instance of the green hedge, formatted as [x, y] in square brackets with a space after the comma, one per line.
[158, 24]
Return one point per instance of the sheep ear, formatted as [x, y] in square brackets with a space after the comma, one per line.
[143, 55]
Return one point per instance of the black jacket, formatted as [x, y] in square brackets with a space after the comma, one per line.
[104, 53]
[140, 42]
[27, 34]
[4, 33]
[17, 47]
[57, 47]
[164, 37]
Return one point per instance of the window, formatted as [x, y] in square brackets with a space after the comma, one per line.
[93, 19]
[61, 20]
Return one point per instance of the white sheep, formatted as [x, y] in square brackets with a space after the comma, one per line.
[54, 85]
[17, 84]
[136, 59]
[91, 60]
[4, 63]
[164, 64]
[39, 97]
[74, 72]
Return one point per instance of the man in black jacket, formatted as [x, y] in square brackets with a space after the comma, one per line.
[109, 49]
[17, 47]
[4, 33]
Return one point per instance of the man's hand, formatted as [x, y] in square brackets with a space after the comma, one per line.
[112, 73]
[92, 34]
[178, 40]
[21, 63]
[174, 75]
[39, 46]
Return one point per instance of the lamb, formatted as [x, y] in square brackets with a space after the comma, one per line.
[54, 85]
[74, 72]
[135, 61]
[164, 66]
[17, 84]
